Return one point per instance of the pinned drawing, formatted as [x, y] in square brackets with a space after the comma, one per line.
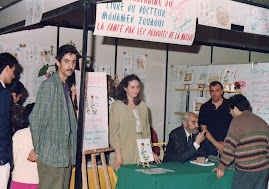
[188, 77]
[135, 61]
[104, 68]
[201, 75]
[222, 16]
[228, 76]
[214, 74]
[197, 103]
[127, 70]
[15, 51]
[92, 104]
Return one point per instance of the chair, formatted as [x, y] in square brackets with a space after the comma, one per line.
[161, 145]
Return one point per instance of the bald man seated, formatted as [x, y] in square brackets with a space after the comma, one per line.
[185, 142]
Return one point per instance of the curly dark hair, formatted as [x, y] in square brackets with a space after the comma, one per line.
[121, 93]
[240, 101]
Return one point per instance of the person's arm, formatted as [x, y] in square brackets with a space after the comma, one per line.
[15, 146]
[230, 143]
[218, 145]
[118, 161]
[114, 134]
[41, 112]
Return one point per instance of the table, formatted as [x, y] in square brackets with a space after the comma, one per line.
[186, 176]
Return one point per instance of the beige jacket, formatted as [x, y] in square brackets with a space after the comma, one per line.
[122, 128]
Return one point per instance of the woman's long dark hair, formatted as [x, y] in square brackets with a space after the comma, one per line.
[121, 93]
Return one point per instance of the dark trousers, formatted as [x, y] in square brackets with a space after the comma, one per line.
[249, 180]
[54, 177]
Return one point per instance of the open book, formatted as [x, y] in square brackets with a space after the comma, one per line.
[203, 164]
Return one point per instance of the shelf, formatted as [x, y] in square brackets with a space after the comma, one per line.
[208, 90]
[179, 113]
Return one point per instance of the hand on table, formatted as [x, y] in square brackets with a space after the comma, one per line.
[118, 163]
[200, 160]
[220, 172]
[32, 156]
[156, 158]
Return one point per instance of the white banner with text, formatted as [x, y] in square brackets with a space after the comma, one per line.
[166, 21]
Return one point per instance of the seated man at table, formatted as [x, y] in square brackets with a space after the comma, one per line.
[185, 142]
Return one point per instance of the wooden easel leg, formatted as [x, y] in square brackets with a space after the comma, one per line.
[108, 185]
[95, 172]
[84, 173]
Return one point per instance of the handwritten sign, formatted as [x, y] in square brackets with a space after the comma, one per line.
[258, 91]
[256, 20]
[167, 21]
[96, 111]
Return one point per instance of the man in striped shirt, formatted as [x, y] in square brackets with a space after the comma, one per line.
[247, 145]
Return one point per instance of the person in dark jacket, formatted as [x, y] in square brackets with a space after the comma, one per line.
[7, 69]
[185, 142]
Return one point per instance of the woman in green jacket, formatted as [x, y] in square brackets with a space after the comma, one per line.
[128, 121]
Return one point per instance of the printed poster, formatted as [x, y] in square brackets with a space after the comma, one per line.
[201, 75]
[178, 73]
[127, 70]
[104, 68]
[188, 77]
[155, 171]
[228, 76]
[168, 21]
[136, 61]
[256, 20]
[144, 150]
[214, 74]
[96, 110]
[15, 51]
[214, 13]
[257, 90]
[35, 9]
[31, 55]
[197, 103]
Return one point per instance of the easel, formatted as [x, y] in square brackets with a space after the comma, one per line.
[94, 153]
[229, 86]
[187, 85]
[144, 164]
[201, 86]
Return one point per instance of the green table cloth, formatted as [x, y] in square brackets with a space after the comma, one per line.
[186, 176]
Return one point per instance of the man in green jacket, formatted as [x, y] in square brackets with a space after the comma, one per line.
[53, 124]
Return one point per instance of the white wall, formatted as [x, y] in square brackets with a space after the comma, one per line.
[229, 56]
[18, 11]
[103, 50]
